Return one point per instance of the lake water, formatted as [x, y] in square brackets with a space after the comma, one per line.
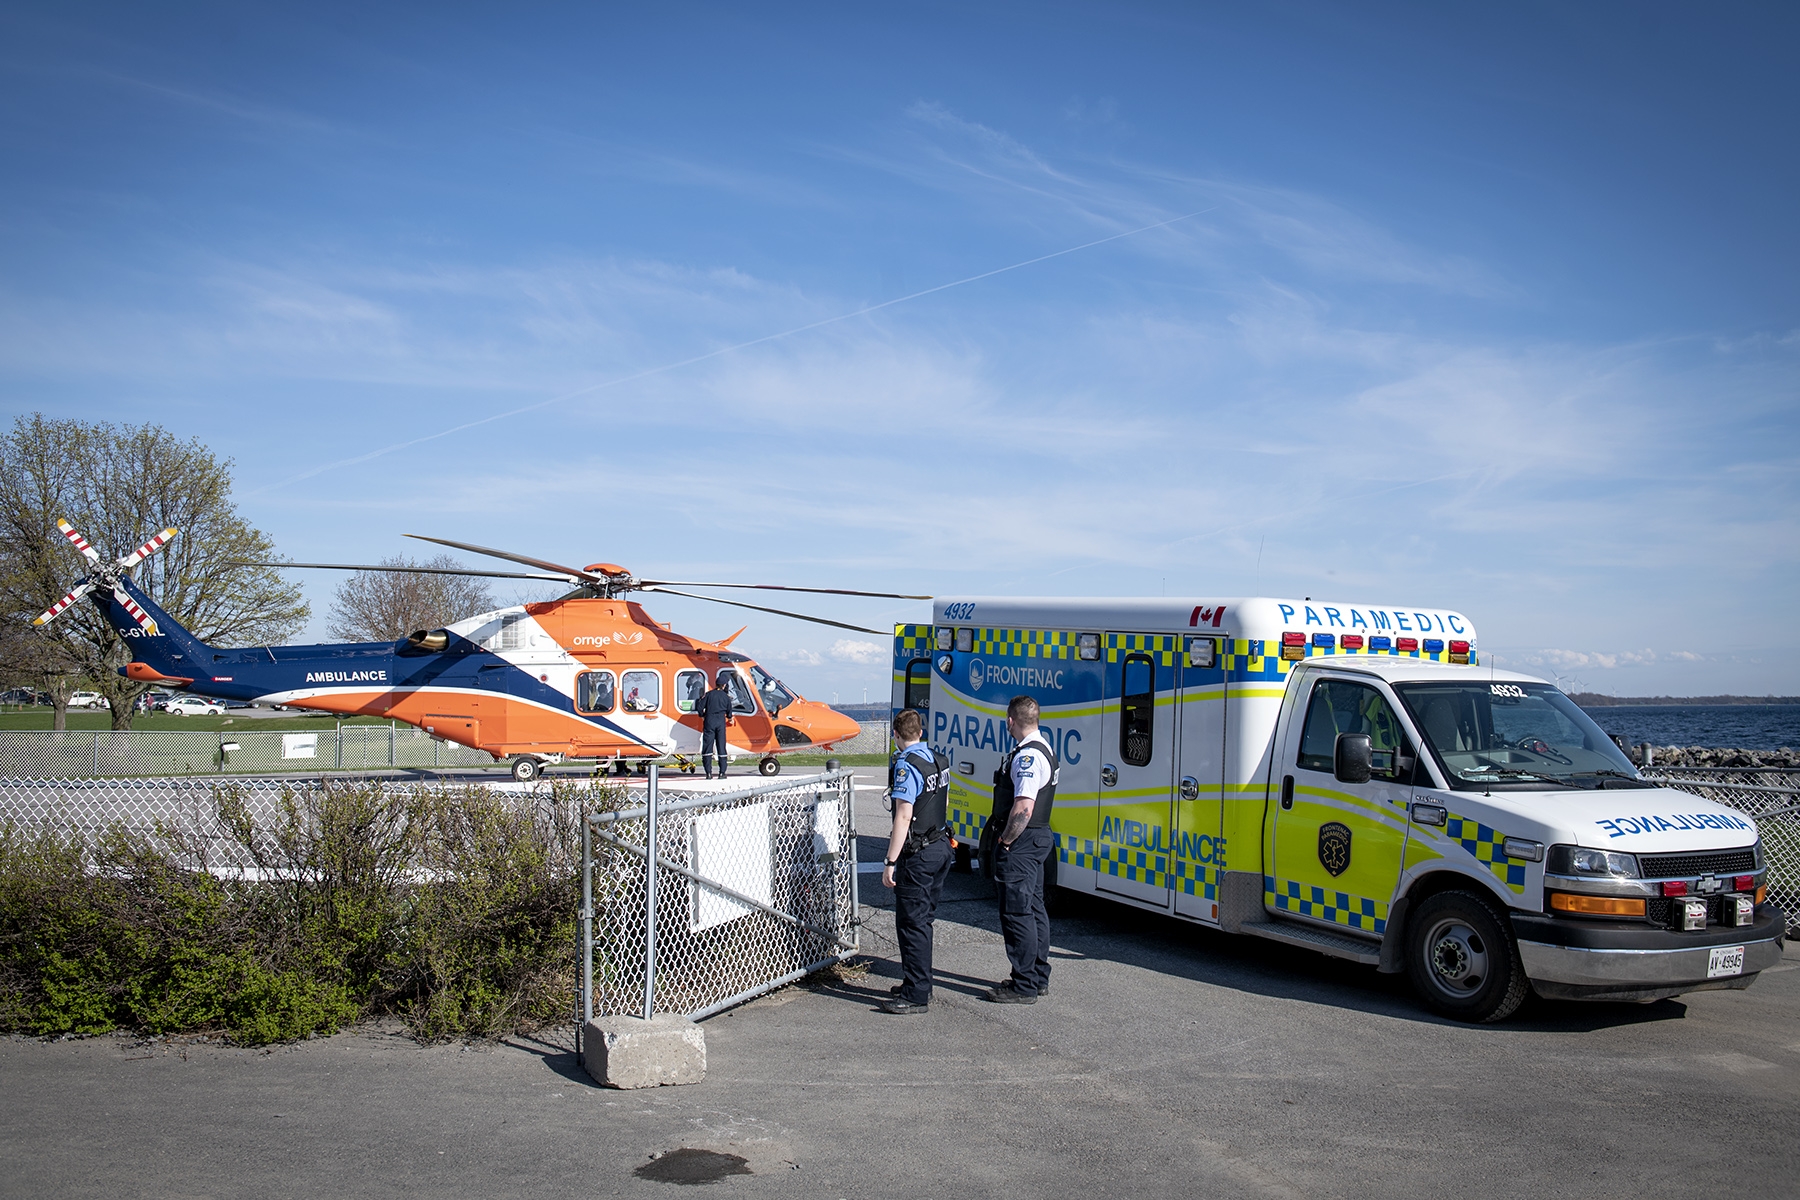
[1739, 726]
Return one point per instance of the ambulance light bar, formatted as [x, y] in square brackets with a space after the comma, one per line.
[1351, 641]
[1434, 645]
[1324, 639]
[1406, 644]
[1381, 642]
[1459, 652]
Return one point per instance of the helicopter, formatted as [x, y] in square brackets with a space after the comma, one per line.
[588, 676]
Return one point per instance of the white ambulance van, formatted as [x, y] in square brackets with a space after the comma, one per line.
[1350, 779]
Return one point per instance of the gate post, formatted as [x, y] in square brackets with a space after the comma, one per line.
[96, 755]
[587, 935]
[650, 894]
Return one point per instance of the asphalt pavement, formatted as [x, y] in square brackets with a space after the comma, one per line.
[1167, 1060]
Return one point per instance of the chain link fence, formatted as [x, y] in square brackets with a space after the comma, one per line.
[752, 889]
[1770, 796]
[46, 754]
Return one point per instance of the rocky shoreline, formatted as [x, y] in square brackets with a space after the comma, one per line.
[1715, 756]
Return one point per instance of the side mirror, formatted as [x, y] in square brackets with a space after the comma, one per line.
[1354, 759]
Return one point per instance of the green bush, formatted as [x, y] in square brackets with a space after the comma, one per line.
[454, 909]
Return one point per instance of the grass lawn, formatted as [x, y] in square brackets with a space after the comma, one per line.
[99, 721]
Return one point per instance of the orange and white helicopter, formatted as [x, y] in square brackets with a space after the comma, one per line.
[588, 676]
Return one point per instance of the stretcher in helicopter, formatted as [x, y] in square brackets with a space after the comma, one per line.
[590, 675]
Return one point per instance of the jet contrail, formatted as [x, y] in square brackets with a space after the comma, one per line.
[699, 358]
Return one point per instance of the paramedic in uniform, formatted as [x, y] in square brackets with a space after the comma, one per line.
[1024, 790]
[918, 857]
[714, 711]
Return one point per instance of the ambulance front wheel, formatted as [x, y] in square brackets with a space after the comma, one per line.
[524, 769]
[769, 766]
[1463, 960]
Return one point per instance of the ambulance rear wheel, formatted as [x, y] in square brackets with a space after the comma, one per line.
[524, 770]
[769, 766]
[1463, 960]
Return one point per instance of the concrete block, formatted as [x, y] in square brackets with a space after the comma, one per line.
[630, 1052]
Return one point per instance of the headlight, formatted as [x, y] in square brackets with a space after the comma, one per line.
[1596, 864]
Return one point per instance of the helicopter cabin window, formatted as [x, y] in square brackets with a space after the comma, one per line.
[774, 693]
[1137, 709]
[643, 691]
[594, 691]
[918, 684]
[509, 636]
[739, 690]
[689, 687]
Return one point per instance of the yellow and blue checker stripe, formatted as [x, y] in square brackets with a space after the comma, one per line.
[1025, 643]
[1340, 908]
[1141, 866]
[965, 826]
[1164, 650]
[1484, 843]
[910, 638]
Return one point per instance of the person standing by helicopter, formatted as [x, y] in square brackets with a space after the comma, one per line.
[714, 711]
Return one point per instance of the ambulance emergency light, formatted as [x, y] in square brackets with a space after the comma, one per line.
[965, 640]
[1293, 646]
[946, 637]
[1381, 642]
[1351, 641]
[1087, 647]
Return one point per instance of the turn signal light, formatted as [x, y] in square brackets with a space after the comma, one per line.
[1605, 906]
[1405, 644]
[1675, 887]
[1351, 641]
[1762, 893]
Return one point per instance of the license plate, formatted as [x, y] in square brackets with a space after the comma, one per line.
[1725, 960]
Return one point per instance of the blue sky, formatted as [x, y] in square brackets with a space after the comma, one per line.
[1489, 310]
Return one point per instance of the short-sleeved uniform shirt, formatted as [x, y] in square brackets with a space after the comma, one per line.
[1031, 767]
[909, 778]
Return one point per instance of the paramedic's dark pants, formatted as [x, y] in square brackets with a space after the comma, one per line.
[1024, 923]
[711, 736]
[918, 882]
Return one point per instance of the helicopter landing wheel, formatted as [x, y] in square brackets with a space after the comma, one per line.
[524, 769]
[769, 766]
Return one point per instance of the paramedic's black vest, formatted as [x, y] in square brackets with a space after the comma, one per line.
[931, 811]
[1003, 786]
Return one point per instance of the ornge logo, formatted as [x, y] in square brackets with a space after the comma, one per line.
[977, 674]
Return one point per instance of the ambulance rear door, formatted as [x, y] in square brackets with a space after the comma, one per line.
[1138, 753]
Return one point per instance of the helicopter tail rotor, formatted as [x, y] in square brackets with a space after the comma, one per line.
[107, 575]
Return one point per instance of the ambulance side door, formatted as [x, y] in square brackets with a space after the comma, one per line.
[1339, 846]
[1198, 839]
[1137, 773]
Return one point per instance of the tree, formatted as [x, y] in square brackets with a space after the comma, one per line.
[118, 484]
[383, 606]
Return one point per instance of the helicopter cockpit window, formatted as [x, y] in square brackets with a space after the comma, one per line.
[741, 701]
[689, 687]
[774, 693]
[643, 691]
[594, 691]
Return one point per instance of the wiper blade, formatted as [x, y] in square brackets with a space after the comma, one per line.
[1609, 773]
[1472, 773]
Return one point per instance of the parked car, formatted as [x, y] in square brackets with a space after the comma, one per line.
[88, 700]
[24, 696]
[194, 706]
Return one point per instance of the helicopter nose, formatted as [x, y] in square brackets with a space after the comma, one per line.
[829, 725]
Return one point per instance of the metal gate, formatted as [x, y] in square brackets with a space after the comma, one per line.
[747, 890]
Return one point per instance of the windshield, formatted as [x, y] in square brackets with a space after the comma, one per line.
[1487, 733]
[774, 693]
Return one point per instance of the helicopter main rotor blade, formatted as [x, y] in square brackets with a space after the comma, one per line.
[780, 612]
[401, 570]
[569, 573]
[776, 587]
